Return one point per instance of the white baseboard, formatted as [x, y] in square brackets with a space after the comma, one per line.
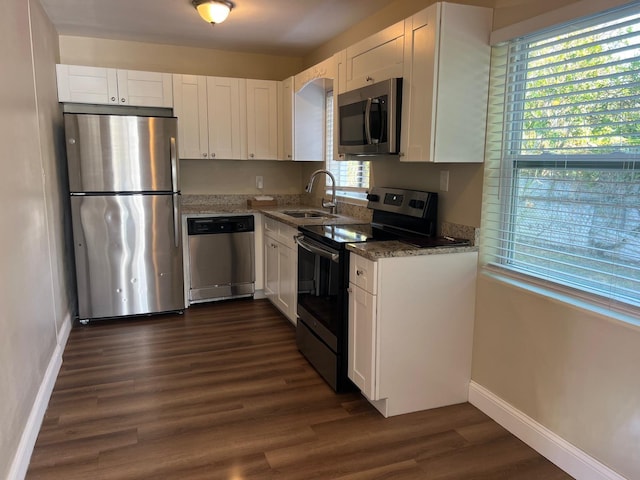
[562, 453]
[21, 459]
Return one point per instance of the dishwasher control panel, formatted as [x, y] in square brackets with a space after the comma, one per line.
[213, 225]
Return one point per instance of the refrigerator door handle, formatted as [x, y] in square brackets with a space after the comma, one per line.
[175, 200]
[174, 164]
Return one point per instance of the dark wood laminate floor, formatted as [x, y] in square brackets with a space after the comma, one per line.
[221, 392]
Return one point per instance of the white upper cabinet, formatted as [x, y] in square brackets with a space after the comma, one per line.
[211, 116]
[262, 119]
[287, 127]
[446, 84]
[190, 106]
[109, 86]
[376, 58]
[226, 113]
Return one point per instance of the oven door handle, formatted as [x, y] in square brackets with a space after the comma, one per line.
[330, 254]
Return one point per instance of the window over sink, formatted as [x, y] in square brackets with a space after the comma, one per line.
[562, 173]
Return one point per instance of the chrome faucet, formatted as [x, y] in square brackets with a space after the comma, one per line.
[332, 204]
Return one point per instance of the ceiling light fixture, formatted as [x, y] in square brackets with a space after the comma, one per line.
[213, 11]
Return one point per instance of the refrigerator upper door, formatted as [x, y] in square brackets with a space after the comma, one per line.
[113, 153]
[128, 255]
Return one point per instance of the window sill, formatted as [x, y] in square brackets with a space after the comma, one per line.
[581, 300]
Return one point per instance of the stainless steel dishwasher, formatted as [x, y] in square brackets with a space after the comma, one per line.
[221, 257]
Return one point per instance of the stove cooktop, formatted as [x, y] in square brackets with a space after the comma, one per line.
[366, 232]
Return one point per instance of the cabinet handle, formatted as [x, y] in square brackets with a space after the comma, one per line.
[359, 273]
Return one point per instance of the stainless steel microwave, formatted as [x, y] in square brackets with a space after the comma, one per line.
[369, 119]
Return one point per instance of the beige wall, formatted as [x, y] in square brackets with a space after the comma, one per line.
[32, 290]
[157, 57]
[573, 371]
[239, 176]
[460, 204]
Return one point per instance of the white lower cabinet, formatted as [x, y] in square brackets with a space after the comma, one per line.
[411, 330]
[281, 267]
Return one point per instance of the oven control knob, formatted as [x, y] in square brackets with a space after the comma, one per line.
[372, 197]
[419, 204]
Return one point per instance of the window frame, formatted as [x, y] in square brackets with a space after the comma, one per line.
[498, 253]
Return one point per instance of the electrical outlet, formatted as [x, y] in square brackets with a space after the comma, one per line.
[259, 182]
[444, 180]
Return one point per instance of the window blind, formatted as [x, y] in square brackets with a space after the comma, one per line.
[562, 179]
[352, 177]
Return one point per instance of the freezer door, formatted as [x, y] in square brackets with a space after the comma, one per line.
[128, 254]
[113, 153]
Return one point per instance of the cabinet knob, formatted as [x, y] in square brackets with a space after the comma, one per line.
[204, 155]
[213, 155]
[289, 156]
[369, 79]
[113, 99]
[350, 290]
[123, 100]
[359, 273]
[251, 155]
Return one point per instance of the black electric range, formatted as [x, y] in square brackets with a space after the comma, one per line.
[408, 216]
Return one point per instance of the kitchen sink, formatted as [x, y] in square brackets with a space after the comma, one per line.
[308, 214]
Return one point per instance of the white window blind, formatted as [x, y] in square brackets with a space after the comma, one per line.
[562, 175]
[352, 177]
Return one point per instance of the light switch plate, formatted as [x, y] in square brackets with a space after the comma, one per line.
[259, 182]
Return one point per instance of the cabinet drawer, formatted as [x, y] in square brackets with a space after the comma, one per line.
[363, 273]
[281, 232]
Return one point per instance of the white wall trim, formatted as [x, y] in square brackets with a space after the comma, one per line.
[21, 459]
[565, 455]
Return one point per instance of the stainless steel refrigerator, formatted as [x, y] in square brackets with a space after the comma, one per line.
[125, 207]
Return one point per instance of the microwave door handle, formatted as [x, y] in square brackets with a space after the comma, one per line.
[378, 112]
[367, 120]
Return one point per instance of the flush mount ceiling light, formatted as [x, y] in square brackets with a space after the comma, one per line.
[213, 11]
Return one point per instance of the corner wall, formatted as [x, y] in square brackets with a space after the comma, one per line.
[33, 281]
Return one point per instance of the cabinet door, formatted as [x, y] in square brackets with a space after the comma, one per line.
[262, 119]
[287, 119]
[225, 100]
[362, 340]
[87, 84]
[270, 269]
[145, 89]
[376, 58]
[189, 95]
[287, 282]
[463, 83]
[446, 82]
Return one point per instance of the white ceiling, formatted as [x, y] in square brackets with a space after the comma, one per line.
[282, 27]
